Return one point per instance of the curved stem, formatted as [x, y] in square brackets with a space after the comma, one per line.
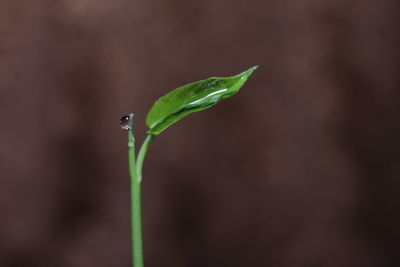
[142, 154]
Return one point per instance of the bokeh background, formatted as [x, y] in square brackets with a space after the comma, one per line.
[300, 169]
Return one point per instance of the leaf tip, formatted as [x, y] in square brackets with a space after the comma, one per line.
[252, 69]
[248, 72]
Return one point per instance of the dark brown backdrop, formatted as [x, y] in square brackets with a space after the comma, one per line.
[300, 169]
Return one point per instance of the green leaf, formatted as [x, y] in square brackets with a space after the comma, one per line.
[191, 98]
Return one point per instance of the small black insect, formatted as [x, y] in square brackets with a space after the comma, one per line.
[126, 122]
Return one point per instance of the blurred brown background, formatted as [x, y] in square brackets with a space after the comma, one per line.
[301, 168]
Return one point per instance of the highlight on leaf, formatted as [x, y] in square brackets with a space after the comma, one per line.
[192, 97]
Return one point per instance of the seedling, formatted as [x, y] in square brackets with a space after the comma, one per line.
[166, 111]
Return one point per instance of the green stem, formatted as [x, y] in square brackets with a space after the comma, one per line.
[135, 170]
[142, 154]
[136, 220]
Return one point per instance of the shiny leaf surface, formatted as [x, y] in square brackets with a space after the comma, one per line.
[191, 98]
